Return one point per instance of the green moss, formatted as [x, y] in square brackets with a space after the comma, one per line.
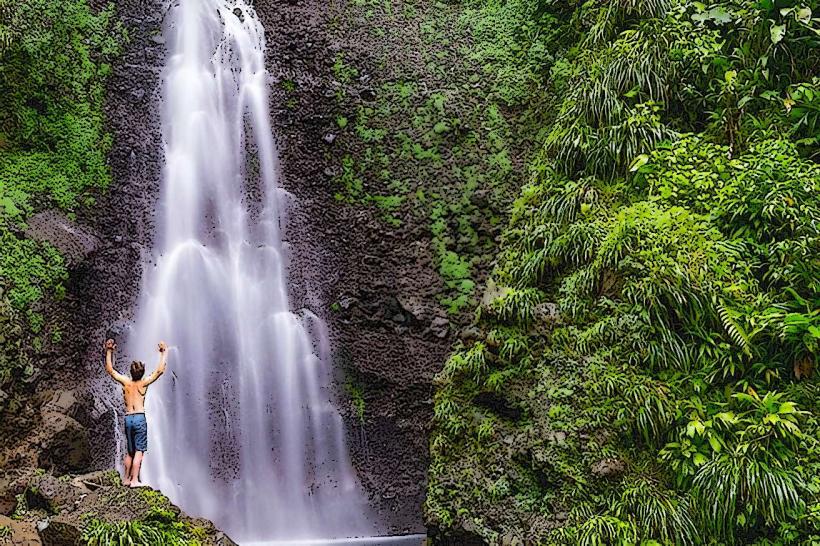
[21, 507]
[198, 533]
[355, 391]
[343, 72]
[289, 86]
[430, 143]
[155, 499]
[54, 60]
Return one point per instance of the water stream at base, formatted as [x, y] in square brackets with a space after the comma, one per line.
[243, 430]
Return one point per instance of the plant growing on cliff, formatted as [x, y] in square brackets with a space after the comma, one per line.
[152, 531]
[648, 366]
[53, 64]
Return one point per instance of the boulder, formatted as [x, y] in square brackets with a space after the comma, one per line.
[74, 242]
[65, 402]
[96, 480]
[21, 533]
[8, 495]
[60, 531]
[546, 312]
[51, 494]
[510, 539]
[417, 307]
[57, 509]
[609, 468]
[492, 292]
[440, 326]
[65, 446]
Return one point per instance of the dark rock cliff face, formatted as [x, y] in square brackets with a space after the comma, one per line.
[69, 416]
[389, 333]
[108, 284]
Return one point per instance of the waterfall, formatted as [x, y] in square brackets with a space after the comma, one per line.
[242, 428]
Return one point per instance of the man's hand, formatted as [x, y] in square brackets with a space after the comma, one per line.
[110, 347]
[163, 353]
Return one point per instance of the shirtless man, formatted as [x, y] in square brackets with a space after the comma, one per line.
[134, 390]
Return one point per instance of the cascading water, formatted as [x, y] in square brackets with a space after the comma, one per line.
[242, 428]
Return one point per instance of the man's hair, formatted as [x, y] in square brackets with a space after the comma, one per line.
[137, 370]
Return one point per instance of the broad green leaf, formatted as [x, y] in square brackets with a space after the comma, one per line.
[803, 15]
[719, 15]
[727, 417]
[639, 162]
[744, 101]
[777, 32]
[690, 430]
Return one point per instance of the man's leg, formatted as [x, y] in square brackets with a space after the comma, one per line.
[140, 446]
[135, 469]
[127, 474]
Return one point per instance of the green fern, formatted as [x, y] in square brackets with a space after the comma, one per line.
[735, 484]
[135, 533]
[738, 335]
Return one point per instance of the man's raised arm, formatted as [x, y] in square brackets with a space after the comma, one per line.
[163, 351]
[110, 347]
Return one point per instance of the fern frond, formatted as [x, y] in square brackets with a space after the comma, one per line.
[737, 334]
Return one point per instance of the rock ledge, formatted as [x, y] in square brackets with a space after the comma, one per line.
[39, 508]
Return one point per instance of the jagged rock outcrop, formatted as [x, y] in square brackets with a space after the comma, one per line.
[74, 241]
[53, 510]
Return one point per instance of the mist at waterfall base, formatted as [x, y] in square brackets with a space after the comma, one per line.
[242, 428]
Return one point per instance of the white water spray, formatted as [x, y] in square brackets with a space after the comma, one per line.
[242, 429]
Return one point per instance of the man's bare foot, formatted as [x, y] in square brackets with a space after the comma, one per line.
[126, 483]
[137, 484]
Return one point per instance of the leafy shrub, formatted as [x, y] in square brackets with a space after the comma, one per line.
[512, 43]
[53, 63]
[672, 224]
[158, 528]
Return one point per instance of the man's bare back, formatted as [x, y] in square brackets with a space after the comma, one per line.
[134, 389]
[134, 394]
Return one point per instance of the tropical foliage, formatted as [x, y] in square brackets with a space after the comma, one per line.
[53, 64]
[158, 528]
[644, 371]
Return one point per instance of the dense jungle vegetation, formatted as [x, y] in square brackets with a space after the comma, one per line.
[53, 63]
[642, 365]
